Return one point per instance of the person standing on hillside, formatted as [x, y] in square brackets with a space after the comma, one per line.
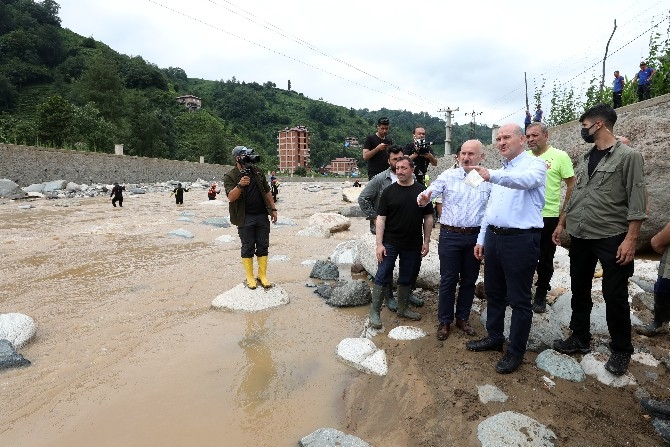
[117, 194]
[538, 114]
[603, 219]
[643, 78]
[509, 241]
[374, 148]
[527, 120]
[617, 89]
[464, 208]
[403, 231]
[178, 193]
[559, 168]
[250, 204]
[420, 152]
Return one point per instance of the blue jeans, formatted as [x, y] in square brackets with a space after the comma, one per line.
[457, 262]
[255, 235]
[509, 265]
[409, 259]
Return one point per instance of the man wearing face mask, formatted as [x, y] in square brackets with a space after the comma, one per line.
[603, 219]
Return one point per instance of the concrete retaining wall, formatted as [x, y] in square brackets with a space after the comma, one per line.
[26, 165]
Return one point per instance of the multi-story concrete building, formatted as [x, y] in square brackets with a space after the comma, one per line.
[293, 147]
[342, 166]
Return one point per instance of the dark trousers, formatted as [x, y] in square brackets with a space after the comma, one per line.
[255, 235]
[662, 300]
[117, 199]
[409, 258]
[458, 265]
[509, 266]
[643, 92]
[584, 253]
[616, 99]
[545, 264]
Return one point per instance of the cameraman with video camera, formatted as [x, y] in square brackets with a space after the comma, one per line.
[421, 153]
[250, 205]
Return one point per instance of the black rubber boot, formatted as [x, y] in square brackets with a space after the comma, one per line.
[378, 294]
[540, 301]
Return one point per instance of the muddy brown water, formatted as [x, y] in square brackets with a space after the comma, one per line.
[128, 349]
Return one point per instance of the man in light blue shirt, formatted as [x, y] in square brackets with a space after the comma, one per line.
[463, 208]
[510, 241]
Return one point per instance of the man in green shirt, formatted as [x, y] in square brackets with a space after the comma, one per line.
[559, 168]
[603, 218]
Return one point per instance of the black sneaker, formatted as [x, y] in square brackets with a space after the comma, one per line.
[618, 363]
[571, 345]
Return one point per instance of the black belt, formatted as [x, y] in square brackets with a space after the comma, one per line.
[462, 230]
[502, 231]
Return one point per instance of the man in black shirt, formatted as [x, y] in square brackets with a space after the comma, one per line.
[117, 194]
[420, 152]
[374, 148]
[403, 230]
[250, 204]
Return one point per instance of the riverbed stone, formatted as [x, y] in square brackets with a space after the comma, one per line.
[18, 328]
[330, 437]
[241, 298]
[511, 429]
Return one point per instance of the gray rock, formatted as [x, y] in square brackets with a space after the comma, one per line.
[181, 233]
[219, 222]
[138, 191]
[35, 187]
[184, 219]
[188, 213]
[491, 393]
[72, 187]
[560, 365]
[563, 310]
[352, 211]
[362, 354]
[643, 300]
[350, 294]
[329, 437]
[325, 270]
[18, 328]
[345, 252]
[544, 330]
[55, 185]
[324, 290]
[9, 358]
[511, 429]
[643, 284]
[285, 222]
[10, 189]
[241, 298]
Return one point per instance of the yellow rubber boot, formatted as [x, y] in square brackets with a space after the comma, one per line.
[262, 271]
[248, 264]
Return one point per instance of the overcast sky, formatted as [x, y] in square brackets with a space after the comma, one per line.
[417, 55]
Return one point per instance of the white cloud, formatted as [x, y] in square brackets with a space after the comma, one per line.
[421, 56]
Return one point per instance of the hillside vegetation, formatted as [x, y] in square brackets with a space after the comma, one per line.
[60, 89]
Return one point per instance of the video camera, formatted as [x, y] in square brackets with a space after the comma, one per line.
[246, 158]
[421, 147]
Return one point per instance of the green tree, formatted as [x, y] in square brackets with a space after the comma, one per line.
[101, 85]
[55, 120]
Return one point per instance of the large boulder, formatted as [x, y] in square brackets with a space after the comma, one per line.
[334, 222]
[10, 189]
[18, 328]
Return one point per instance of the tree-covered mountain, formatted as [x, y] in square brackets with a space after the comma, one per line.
[60, 89]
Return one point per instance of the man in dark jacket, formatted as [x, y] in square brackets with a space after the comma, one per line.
[117, 194]
[250, 204]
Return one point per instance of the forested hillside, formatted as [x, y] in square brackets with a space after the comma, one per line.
[60, 89]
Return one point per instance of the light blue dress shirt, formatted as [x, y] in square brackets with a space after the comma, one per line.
[462, 205]
[517, 195]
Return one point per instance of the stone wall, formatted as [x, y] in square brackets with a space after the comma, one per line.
[647, 125]
[26, 165]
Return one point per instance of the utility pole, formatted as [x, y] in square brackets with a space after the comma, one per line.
[448, 115]
[473, 124]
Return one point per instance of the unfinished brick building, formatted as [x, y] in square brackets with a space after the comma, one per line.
[293, 149]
